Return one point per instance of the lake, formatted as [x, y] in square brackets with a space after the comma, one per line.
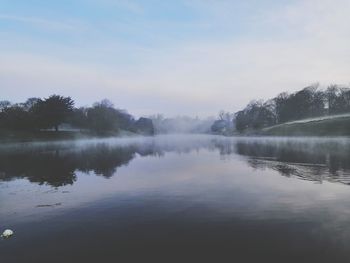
[177, 198]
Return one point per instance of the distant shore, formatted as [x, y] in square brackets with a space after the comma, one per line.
[34, 136]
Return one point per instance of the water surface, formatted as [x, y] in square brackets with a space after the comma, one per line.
[193, 198]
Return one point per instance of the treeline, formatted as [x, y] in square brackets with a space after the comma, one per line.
[309, 102]
[37, 114]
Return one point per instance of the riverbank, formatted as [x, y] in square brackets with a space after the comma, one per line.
[31, 136]
[331, 126]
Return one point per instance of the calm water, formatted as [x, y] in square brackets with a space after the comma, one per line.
[177, 199]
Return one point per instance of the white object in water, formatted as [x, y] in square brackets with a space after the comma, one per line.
[7, 233]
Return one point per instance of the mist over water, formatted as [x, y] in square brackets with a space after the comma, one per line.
[198, 197]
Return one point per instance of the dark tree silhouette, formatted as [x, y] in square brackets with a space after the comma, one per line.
[15, 118]
[36, 114]
[53, 111]
[256, 115]
[102, 117]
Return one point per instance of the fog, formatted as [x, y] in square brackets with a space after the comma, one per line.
[181, 124]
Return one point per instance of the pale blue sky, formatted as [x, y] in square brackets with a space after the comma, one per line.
[175, 57]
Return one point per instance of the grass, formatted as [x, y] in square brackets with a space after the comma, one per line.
[337, 126]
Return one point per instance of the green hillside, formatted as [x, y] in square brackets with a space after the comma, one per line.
[332, 126]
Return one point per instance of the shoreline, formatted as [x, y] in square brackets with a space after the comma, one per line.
[52, 136]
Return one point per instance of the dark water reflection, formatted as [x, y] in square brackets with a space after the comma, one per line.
[177, 198]
[57, 164]
[58, 167]
[307, 159]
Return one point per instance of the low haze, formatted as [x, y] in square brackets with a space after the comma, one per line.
[175, 57]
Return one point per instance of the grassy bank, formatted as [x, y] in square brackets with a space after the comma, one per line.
[337, 126]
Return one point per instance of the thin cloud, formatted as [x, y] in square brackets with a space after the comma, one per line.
[40, 22]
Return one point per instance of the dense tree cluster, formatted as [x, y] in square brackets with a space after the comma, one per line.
[35, 113]
[41, 114]
[309, 102]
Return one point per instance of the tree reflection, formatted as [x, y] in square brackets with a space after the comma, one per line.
[58, 167]
[313, 161]
[52, 167]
